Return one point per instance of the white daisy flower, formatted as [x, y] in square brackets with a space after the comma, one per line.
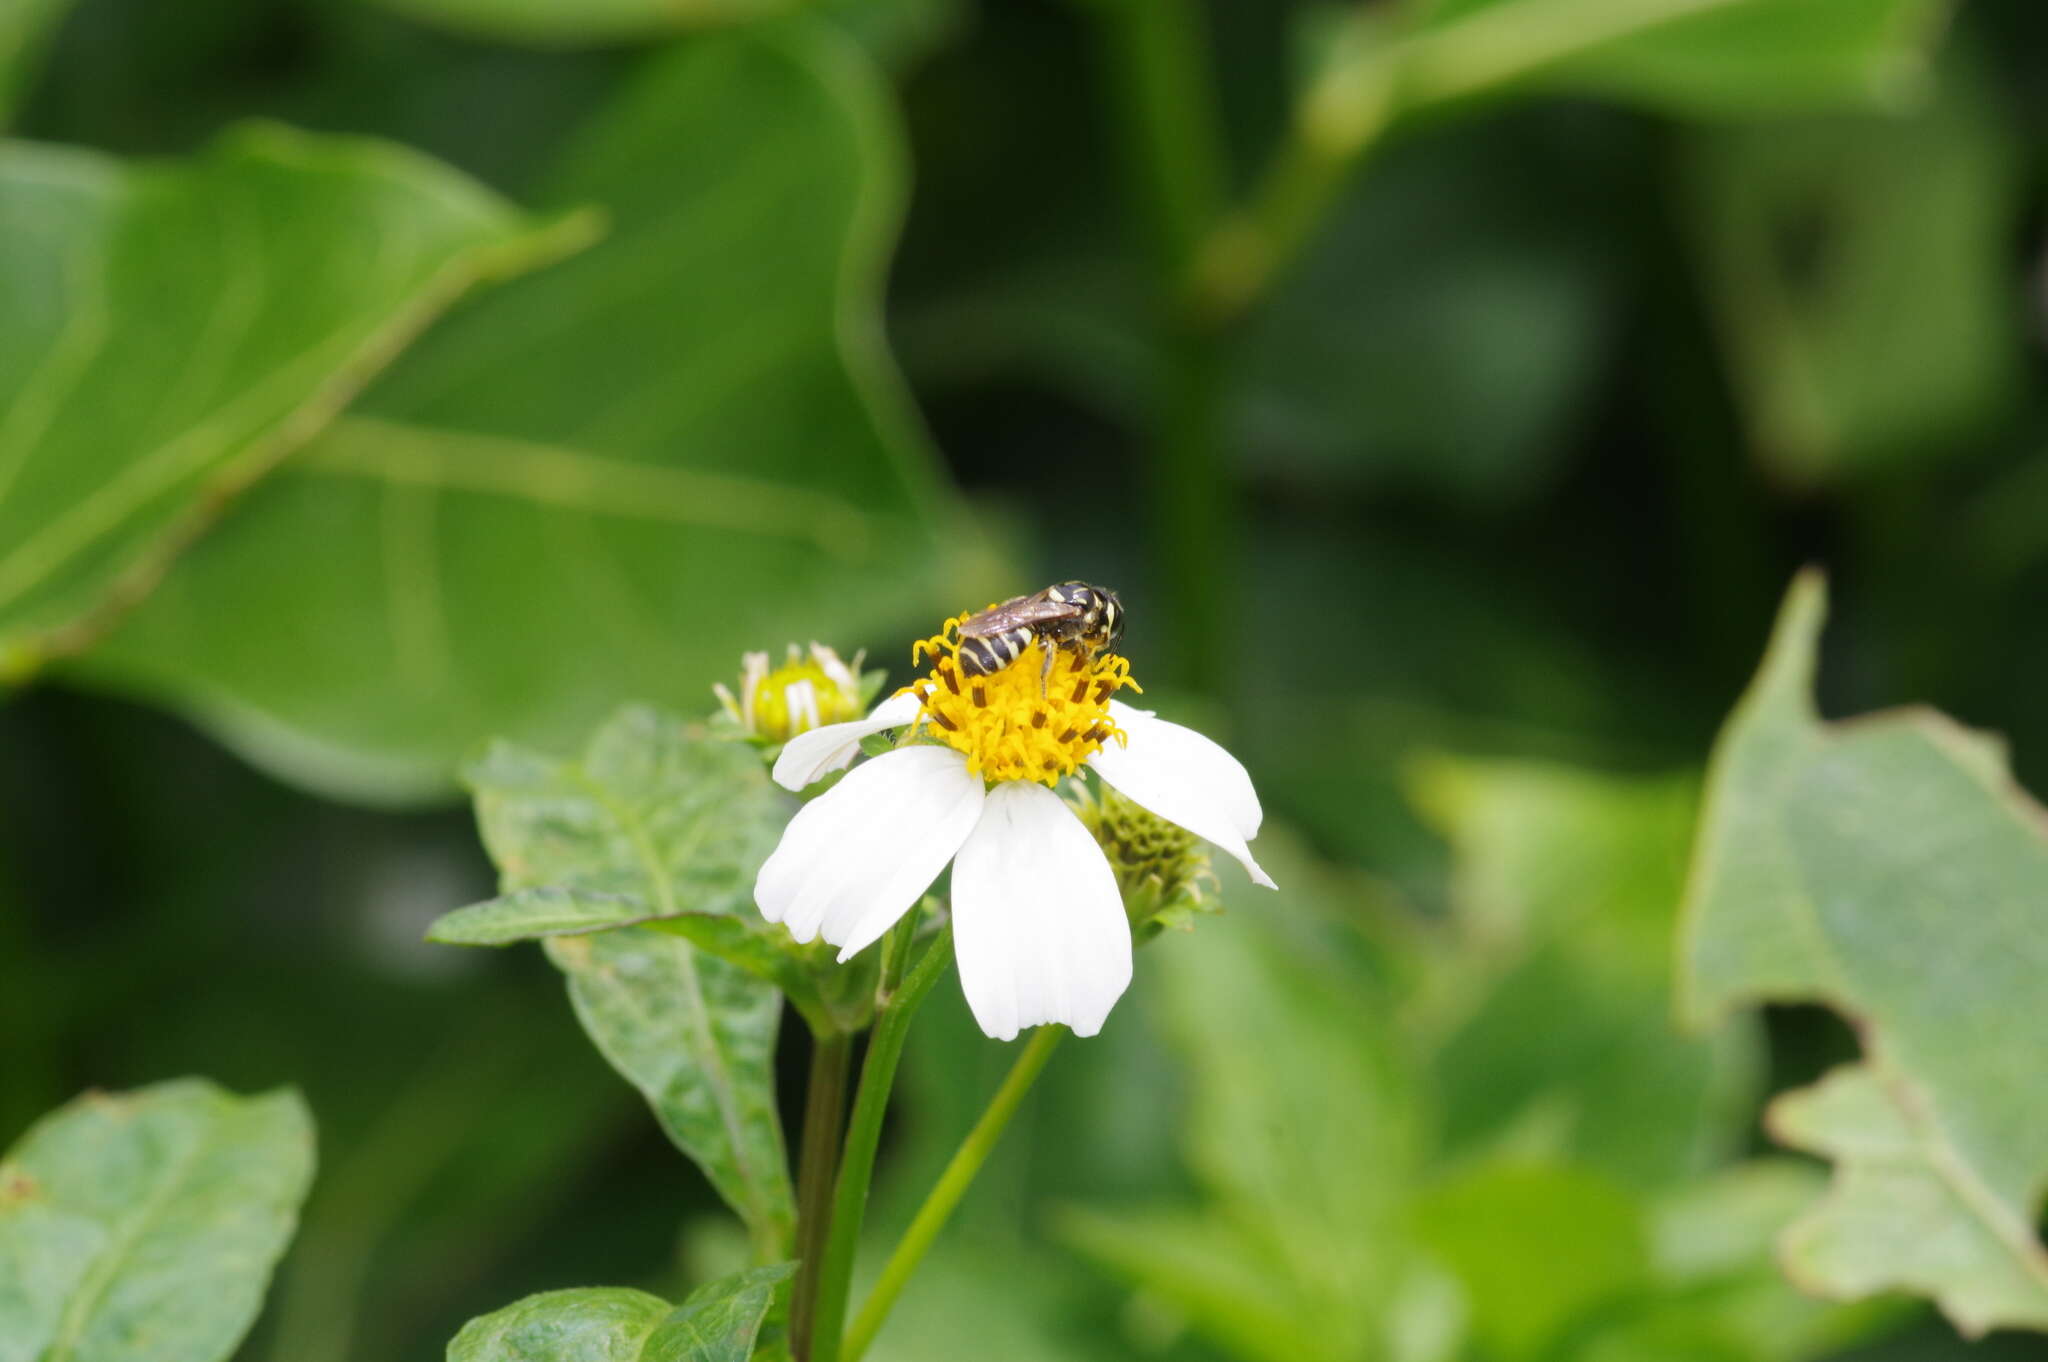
[1038, 924]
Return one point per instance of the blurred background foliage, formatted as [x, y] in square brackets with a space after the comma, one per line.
[761, 326]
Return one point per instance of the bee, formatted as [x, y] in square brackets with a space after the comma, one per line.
[1086, 620]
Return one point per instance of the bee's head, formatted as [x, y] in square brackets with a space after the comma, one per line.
[1103, 626]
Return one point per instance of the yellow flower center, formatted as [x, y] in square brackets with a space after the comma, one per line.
[801, 695]
[1023, 722]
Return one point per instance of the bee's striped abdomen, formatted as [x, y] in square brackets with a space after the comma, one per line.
[987, 656]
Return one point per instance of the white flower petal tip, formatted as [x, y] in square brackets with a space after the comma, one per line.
[856, 858]
[810, 756]
[1187, 779]
[1038, 925]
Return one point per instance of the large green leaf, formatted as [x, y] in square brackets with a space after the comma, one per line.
[1891, 869]
[1691, 56]
[659, 813]
[142, 1227]
[604, 483]
[171, 331]
[1855, 270]
[717, 1323]
[1567, 885]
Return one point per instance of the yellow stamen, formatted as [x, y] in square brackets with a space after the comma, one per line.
[1020, 723]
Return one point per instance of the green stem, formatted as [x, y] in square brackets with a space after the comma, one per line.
[1349, 108]
[864, 1136]
[1155, 58]
[952, 1185]
[817, 1168]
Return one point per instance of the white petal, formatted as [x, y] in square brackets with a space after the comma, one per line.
[1186, 779]
[811, 756]
[855, 858]
[1038, 925]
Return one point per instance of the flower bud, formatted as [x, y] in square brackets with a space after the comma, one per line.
[807, 691]
[1161, 868]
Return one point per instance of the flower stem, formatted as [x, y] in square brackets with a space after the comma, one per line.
[863, 1136]
[945, 1195]
[817, 1167]
[1156, 66]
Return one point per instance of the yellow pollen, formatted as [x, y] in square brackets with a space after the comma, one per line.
[1020, 723]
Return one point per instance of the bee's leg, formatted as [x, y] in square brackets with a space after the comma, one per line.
[1045, 673]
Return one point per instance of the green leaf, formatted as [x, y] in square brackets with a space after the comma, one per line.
[602, 484]
[1712, 1249]
[659, 814]
[1566, 885]
[584, 1324]
[142, 1227]
[696, 1036]
[25, 25]
[720, 817]
[173, 330]
[531, 914]
[1702, 57]
[1536, 1248]
[830, 996]
[1853, 268]
[745, 939]
[717, 1323]
[1890, 868]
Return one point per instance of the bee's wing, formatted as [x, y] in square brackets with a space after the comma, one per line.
[1012, 613]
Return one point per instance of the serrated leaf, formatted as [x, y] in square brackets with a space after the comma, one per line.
[173, 330]
[654, 812]
[142, 1227]
[657, 813]
[1890, 869]
[1693, 56]
[717, 1323]
[605, 482]
[1712, 1250]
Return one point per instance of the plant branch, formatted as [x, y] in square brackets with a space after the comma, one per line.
[864, 1135]
[817, 1170]
[1373, 82]
[952, 1185]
